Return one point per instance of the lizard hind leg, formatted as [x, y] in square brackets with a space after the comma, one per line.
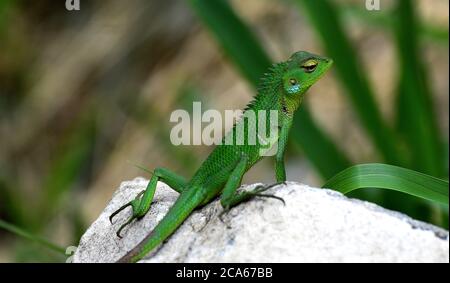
[141, 203]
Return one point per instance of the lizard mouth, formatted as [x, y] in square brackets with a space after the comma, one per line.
[328, 62]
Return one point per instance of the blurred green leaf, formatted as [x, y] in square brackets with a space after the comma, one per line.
[26, 251]
[390, 177]
[245, 51]
[325, 157]
[5, 7]
[236, 39]
[74, 155]
[415, 113]
[385, 19]
[11, 202]
[26, 235]
[324, 17]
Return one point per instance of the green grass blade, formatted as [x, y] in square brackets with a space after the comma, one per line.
[415, 115]
[246, 53]
[324, 17]
[26, 235]
[12, 203]
[390, 177]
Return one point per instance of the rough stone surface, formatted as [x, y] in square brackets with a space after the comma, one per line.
[315, 225]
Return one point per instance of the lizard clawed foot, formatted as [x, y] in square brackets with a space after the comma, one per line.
[224, 211]
[118, 211]
[271, 196]
[260, 188]
[134, 204]
[246, 195]
[123, 226]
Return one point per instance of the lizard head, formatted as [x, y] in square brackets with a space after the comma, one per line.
[303, 70]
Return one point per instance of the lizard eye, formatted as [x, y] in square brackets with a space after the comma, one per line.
[293, 81]
[309, 66]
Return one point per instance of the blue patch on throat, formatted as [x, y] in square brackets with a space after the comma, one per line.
[293, 89]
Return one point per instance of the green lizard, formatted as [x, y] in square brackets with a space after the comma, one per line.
[281, 90]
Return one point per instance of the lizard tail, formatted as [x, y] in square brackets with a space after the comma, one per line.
[181, 209]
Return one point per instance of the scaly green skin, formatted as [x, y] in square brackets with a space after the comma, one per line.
[282, 90]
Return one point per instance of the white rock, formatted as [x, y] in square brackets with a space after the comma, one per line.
[315, 225]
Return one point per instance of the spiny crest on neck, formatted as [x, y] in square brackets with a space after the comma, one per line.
[268, 83]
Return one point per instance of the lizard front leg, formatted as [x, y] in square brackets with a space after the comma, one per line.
[230, 197]
[280, 171]
[141, 203]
